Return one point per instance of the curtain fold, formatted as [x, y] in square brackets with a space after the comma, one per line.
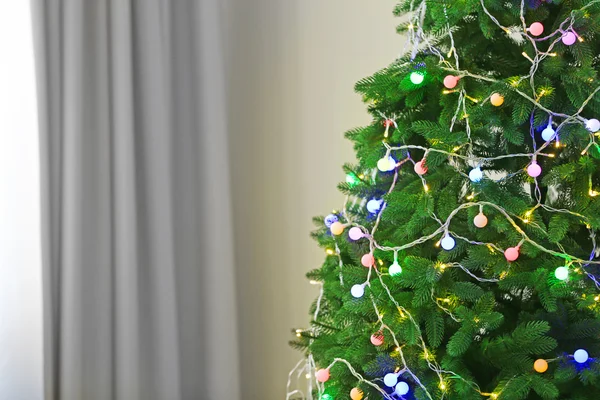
[139, 279]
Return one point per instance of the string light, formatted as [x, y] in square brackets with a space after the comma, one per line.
[514, 83]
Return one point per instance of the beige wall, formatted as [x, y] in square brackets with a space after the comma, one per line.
[292, 66]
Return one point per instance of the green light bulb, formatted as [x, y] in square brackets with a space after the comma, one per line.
[561, 273]
[417, 77]
[351, 179]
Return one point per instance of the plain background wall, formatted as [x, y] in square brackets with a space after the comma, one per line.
[292, 66]
[20, 260]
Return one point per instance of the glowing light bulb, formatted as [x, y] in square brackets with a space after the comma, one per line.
[548, 133]
[390, 379]
[534, 170]
[386, 164]
[322, 375]
[451, 81]
[511, 254]
[592, 125]
[395, 269]
[480, 220]
[448, 242]
[330, 220]
[355, 233]
[569, 38]
[374, 205]
[417, 77]
[497, 99]
[581, 356]
[561, 273]
[402, 388]
[351, 179]
[536, 29]
[476, 175]
[357, 291]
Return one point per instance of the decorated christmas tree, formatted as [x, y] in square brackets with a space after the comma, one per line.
[464, 263]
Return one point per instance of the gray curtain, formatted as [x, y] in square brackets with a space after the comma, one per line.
[137, 250]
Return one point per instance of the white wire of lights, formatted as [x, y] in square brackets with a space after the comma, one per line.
[415, 38]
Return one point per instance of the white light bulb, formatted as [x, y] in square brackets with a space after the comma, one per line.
[357, 291]
[374, 205]
[548, 133]
[395, 269]
[386, 164]
[402, 388]
[581, 356]
[476, 175]
[593, 125]
[390, 379]
[448, 242]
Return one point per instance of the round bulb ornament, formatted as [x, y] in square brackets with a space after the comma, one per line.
[395, 269]
[536, 29]
[357, 291]
[356, 394]
[448, 243]
[337, 228]
[390, 379]
[592, 125]
[402, 388]
[561, 273]
[374, 205]
[326, 396]
[476, 175]
[330, 220]
[480, 220]
[534, 170]
[386, 164]
[511, 254]
[367, 260]
[548, 134]
[417, 77]
[540, 366]
[451, 81]
[355, 233]
[377, 339]
[351, 179]
[497, 99]
[322, 375]
[581, 356]
[569, 38]
[421, 168]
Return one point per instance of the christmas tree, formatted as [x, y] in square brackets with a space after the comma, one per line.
[464, 263]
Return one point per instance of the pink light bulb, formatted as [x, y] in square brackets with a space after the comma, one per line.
[536, 29]
[451, 81]
[569, 38]
[322, 375]
[367, 260]
[511, 254]
[421, 168]
[534, 170]
[355, 233]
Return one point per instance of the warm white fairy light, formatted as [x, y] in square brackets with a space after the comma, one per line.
[418, 39]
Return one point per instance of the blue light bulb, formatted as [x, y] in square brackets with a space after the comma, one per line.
[476, 175]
